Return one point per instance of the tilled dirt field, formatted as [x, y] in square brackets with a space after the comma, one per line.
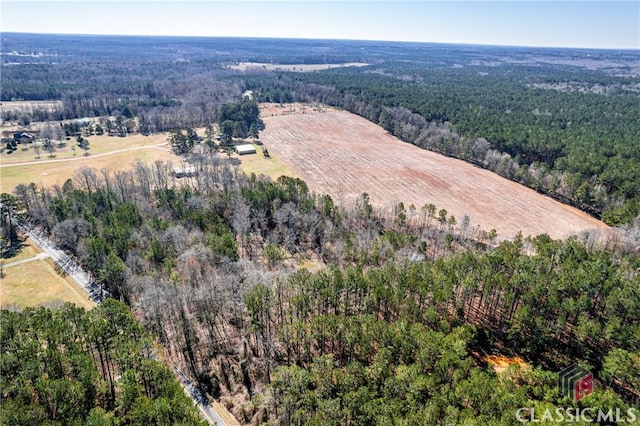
[344, 155]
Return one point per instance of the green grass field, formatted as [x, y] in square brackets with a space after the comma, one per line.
[258, 164]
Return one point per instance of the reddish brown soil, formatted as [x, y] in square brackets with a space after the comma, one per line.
[500, 362]
[344, 155]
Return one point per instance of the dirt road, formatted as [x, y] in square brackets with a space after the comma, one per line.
[161, 146]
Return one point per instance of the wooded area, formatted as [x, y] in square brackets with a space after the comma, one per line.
[211, 267]
[566, 130]
[291, 308]
[69, 366]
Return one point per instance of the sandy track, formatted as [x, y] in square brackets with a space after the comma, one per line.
[344, 155]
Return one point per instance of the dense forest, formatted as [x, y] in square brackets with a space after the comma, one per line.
[289, 308]
[390, 324]
[67, 366]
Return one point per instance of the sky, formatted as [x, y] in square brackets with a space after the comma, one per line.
[577, 23]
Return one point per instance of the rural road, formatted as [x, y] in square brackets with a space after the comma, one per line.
[81, 157]
[98, 295]
[62, 259]
[207, 410]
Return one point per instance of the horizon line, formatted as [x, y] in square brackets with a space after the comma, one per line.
[450, 43]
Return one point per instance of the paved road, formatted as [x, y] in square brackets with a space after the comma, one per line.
[98, 295]
[65, 262]
[207, 410]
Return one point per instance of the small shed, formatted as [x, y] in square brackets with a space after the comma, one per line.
[245, 149]
[184, 171]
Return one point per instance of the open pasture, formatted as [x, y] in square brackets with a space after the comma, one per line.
[36, 283]
[29, 106]
[344, 155]
[105, 152]
[270, 166]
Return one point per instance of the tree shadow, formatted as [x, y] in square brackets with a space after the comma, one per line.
[7, 252]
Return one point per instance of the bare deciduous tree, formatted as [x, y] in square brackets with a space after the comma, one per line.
[241, 220]
[67, 234]
[86, 178]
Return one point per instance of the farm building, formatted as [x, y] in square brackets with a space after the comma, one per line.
[184, 172]
[245, 149]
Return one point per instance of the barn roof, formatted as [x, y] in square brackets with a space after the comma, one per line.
[186, 171]
[245, 149]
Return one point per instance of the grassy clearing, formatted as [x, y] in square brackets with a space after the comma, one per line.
[30, 105]
[98, 145]
[245, 66]
[51, 173]
[36, 283]
[258, 164]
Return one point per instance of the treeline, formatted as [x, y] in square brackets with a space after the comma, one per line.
[405, 342]
[240, 119]
[162, 95]
[98, 214]
[577, 147]
[402, 308]
[167, 82]
[549, 301]
[68, 366]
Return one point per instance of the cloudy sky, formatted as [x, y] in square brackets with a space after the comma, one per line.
[578, 23]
